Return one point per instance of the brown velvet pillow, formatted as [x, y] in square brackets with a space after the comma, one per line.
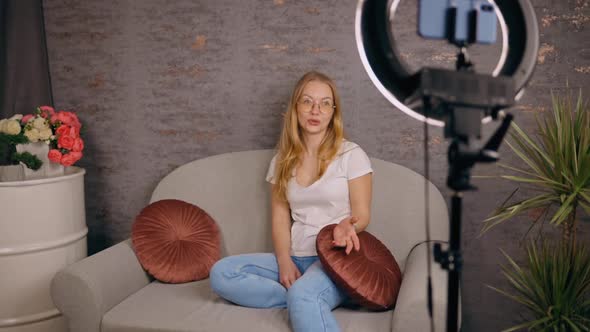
[370, 276]
[176, 241]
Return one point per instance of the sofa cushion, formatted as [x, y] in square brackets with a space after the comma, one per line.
[193, 307]
[370, 276]
[176, 241]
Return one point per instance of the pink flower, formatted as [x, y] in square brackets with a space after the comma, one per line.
[61, 117]
[66, 118]
[62, 130]
[65, 130]
[46, 111]
[54, 155]
[78, 145]
[74, 121]
[74, 132]
[65, 142]
[70, 158]
[26, 118]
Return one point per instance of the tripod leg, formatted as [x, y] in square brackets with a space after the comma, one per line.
[455, 263]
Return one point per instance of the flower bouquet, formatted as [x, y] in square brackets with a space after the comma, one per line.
[43, 142]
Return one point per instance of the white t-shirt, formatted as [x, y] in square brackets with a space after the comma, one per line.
[325, 201]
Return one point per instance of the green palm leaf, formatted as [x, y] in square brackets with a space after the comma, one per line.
[504, 213]
[554, 286]
[556, 161]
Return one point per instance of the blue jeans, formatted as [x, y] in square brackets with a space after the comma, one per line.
[252, 280]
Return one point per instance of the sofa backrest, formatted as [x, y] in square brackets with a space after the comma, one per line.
[231, 187]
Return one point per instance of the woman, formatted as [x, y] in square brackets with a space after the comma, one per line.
[318, 178]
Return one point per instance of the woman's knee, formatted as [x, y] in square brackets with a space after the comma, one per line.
[218, 274]
[300, 295]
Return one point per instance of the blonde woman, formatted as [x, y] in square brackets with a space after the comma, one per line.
[318, 178]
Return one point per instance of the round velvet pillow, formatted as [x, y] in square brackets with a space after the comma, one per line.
[370, 276]
[176, 241]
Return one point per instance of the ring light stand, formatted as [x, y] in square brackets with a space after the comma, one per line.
[459, 100]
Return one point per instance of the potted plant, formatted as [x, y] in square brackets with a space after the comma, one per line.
[44, 142]
[554, 284]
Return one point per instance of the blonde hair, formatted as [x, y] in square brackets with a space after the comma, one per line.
[291, 146]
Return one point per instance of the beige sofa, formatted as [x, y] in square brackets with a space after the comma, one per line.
[110, 292]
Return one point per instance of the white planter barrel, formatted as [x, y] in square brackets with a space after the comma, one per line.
[42, 229]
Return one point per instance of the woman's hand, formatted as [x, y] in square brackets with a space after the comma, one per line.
[345, 235]
[288, 272]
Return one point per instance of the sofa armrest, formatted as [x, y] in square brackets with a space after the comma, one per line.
[84, 291]
[411, 309]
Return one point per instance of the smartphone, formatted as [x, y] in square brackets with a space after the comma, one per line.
[468, 21]
[486, 22]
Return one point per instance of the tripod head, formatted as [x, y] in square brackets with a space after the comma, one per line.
[462, 98]
[462, 156]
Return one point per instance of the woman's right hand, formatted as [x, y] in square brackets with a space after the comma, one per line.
[288, 272]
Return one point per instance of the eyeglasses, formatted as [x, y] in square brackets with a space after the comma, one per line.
[306, 105]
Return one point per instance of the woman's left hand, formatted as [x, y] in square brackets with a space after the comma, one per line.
[345, 235]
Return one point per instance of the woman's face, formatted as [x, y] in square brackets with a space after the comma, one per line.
[315, 108]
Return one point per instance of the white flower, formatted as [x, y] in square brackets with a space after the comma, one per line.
[2, 122]
[45, 133]
[32, 135]
[12, 127]
[16, 117]
[40, 123]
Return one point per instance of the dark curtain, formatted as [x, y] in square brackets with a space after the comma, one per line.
[24, 67]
